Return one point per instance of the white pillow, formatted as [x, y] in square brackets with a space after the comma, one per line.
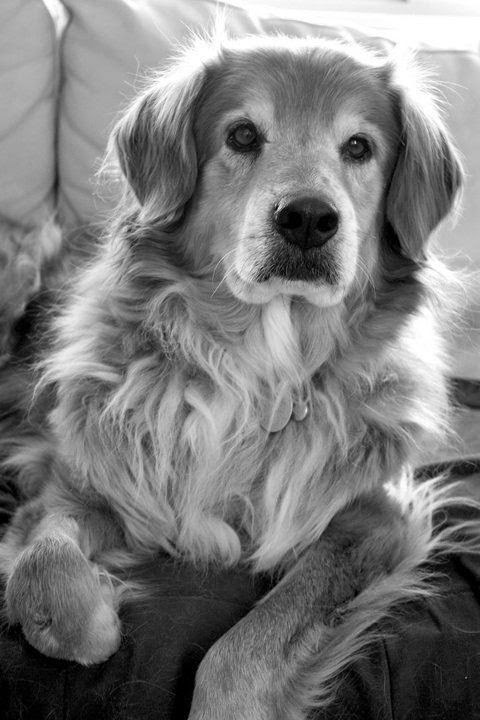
[28, 109]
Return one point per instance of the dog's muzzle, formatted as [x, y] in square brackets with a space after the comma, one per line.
[307, 222]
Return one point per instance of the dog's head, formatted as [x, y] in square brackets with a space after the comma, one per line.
[286, 163]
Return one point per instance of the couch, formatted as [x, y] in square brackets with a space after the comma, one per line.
[66, 69]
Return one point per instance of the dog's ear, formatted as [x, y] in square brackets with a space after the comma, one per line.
[154, 142]
[428, 175]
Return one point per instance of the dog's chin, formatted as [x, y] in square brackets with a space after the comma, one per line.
[317, 292]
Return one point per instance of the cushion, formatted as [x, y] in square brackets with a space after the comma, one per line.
[27, 120]
[108, 44]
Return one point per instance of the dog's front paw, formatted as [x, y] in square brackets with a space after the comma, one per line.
[227, 686]
[64, 609]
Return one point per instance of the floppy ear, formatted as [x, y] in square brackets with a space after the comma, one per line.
[427, 175]
[155, 145]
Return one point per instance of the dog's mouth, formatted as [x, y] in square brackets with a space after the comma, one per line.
[312, 275]
[289, 263]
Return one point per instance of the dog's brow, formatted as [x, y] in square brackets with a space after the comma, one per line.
[260, 114]
[349, 123]
[320, 87]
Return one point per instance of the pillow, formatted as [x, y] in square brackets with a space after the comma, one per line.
[108, 43]
[27, 119]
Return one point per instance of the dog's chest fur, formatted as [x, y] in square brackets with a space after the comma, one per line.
[184, 459]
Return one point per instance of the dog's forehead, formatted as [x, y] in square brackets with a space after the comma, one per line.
[302, 84]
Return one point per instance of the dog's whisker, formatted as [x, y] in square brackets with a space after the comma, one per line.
[221, 260]
[227, 270]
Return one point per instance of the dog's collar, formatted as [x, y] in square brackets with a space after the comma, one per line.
[277, 412]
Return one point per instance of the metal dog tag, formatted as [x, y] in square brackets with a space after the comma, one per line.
[300, 410]
[276, 415]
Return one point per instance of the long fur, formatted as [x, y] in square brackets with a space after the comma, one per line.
[25, 255]
[162, 371]
[325, 656]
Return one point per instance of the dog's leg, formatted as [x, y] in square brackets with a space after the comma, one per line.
[286, 652]
[64, 603]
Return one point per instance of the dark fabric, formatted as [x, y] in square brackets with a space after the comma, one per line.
[151, 676]
[428, 668]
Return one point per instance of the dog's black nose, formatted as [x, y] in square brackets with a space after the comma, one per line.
[307, 222]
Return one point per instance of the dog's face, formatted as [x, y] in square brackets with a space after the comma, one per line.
[286, 159]
[297, 151]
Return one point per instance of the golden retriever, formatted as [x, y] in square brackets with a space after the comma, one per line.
[247, 370]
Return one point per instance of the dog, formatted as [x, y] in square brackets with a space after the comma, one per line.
[250, 366]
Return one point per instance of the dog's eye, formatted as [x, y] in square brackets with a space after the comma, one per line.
[357, 148]
[244, 138]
